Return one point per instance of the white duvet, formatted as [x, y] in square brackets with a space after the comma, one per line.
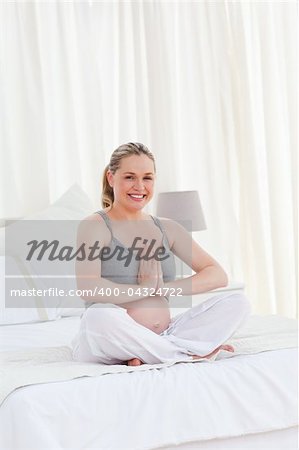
[254, 389]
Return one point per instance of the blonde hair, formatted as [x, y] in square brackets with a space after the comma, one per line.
[123, 151]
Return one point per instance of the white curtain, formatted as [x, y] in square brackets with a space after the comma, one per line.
[208, 86]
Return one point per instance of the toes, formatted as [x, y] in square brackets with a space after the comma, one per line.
[134, 362]
[228, 348]
[137, 362]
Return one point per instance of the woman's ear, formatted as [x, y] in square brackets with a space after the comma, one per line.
[109, 177]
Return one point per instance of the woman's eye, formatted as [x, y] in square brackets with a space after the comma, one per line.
[145, 178]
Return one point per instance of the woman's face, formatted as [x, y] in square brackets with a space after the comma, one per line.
[133, 182]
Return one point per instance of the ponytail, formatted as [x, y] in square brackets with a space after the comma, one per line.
[107, 191]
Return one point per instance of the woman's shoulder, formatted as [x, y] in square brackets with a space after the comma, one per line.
[96, 216]
[163, 219]
[168, 228]
[93, 225]
[167, 223]
[170, 224]
[174, 230]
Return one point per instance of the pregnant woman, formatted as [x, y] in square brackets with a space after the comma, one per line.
[132, 277]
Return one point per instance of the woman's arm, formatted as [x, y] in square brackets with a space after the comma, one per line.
[209, 274]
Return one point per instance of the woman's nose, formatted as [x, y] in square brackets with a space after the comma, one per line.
[139, 184]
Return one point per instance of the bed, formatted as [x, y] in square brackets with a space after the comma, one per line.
[243, 400]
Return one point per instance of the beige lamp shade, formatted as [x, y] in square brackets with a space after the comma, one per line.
[183, 207]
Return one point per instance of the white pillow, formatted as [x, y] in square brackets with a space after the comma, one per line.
[35, 310]
[74, 204]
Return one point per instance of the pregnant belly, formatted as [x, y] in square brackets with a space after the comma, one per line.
[151, 312]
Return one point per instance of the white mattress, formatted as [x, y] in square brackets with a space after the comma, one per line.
[236, 396]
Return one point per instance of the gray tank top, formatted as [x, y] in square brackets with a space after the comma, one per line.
[115, 270]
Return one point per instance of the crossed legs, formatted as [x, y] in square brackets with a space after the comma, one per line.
[109, 335]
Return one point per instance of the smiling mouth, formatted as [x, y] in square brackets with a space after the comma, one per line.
[137, 197]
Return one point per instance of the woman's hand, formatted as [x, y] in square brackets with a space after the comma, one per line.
[160, 283]
[150, 273]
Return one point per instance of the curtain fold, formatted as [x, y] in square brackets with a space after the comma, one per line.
[208, 86]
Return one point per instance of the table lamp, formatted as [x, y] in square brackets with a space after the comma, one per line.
[184, 207]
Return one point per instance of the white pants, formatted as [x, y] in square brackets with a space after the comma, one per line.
[109, 335]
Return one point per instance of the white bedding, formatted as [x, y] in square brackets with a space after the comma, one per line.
[144, 409]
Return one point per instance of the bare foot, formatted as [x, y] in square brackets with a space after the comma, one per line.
[229, 348]
[135, 362]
